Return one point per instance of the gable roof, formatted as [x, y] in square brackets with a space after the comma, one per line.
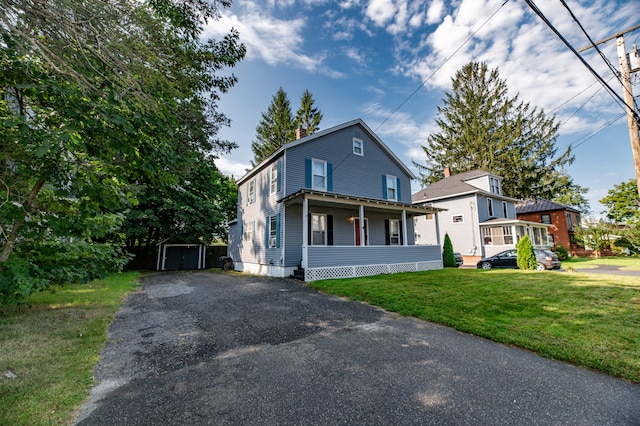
[320, 134]
[536, 205]
[453, 186]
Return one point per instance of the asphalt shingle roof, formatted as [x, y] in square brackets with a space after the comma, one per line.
[535, 205]
[451, 185]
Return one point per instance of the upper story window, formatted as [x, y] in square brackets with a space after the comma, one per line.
[358, 147]
[569, 223]
[273, 178]
[392, 188]
[545, 218]
[490, 206]
[505, 210]
[494, 185]
[251, 192]
[319, 174]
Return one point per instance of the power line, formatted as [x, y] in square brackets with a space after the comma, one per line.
[583, 139]
[440, 66]
[585, 63]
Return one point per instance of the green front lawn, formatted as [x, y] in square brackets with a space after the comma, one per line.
[590, 320]
[631, 263]
[52, 345]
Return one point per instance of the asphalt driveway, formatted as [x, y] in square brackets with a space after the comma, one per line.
[204, 348]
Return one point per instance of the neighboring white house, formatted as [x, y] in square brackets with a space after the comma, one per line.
[479, 219]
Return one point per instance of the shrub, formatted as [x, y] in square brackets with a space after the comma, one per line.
[526, 255]
[561, 251]
[448, 259]
[36, 266]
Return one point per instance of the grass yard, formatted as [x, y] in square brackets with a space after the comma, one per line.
[631, 263]
[591, 320]
[52, 345]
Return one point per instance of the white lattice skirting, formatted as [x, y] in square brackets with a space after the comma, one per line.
[313, 274]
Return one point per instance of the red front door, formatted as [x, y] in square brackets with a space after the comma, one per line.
[356, 230]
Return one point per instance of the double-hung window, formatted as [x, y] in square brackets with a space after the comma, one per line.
[250, 231]
[318, 229]
[394, 232]
[273, 183]
[392, 188]
[251, 192]
[319, 174]
[490, 207]
[358, 147]
[273, 231]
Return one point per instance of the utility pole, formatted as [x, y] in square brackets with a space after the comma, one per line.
[632, 115]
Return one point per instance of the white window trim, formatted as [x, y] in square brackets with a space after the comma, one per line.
[324, 230]
[273, 183]
[273, 237]
[357, 141]
[250, 231]
[313, 175]
[251, 192]
[397, 221]
[461, 216]
[395, 188]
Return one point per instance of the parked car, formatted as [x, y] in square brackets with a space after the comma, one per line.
[508, 259]
[459, 260]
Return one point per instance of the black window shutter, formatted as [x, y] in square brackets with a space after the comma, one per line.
[329, 230]
[387, 236]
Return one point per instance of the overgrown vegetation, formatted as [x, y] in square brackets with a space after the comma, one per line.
[51, 345]
[587, 319]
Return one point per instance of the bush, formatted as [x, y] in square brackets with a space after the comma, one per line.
[36, 266]
[448, 260]
[526, 255]
[561, 251]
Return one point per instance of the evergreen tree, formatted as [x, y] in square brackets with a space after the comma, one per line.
[526, 256]
[448, 259]
[308, 117]
[481, 127]
[276, 128]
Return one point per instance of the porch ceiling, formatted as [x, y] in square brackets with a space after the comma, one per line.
[331, 199]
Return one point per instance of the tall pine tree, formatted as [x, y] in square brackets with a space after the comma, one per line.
[481, 127]
[278, 126]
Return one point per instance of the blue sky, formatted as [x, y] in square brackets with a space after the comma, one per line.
[365, 58]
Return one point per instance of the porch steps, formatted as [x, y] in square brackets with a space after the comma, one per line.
[298, 274]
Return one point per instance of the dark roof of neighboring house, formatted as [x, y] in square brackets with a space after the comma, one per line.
[536, 205]
[453, 185]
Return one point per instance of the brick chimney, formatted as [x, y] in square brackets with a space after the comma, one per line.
[301, 132]
[447, 172]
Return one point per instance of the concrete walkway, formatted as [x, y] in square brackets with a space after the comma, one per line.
[202, 348]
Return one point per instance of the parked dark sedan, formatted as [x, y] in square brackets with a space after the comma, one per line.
[508, 259]
[459, 259]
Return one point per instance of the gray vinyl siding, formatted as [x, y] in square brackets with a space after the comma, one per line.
[293, 235]
[265, 205]
[325, 256]
[352, 174]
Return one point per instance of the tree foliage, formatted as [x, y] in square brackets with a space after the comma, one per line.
[526, 255]
[448, 259]
[596, 235]
[482, 127]
[278, 125]
[96, 100]
[623, 202]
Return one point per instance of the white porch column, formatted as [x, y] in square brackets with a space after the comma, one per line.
[404, 228]
[305, 231]
[362, 225]
[437, 218]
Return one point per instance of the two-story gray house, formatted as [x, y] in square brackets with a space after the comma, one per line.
[480, 220]
[333, 204]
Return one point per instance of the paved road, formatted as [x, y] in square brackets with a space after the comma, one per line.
[610, 270]
[202, 348]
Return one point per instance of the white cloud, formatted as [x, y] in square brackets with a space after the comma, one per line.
[232, 168]
[268, 38]
[380, 11]
[435, 11]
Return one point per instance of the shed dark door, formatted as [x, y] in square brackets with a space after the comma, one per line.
[181, 258]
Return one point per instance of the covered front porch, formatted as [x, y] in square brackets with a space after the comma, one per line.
[504, 234]
[346, 236]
